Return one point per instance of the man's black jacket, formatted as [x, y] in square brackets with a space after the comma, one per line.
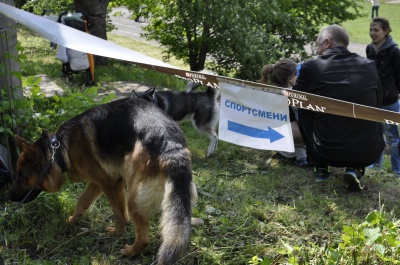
[337, 140]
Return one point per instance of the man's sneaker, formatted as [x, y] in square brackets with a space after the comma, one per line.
[352, 176]
[322, 173]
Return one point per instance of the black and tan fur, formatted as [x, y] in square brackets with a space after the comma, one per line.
[201, 107]
[126, 144]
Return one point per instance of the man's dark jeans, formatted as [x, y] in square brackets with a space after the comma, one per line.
[375, 8]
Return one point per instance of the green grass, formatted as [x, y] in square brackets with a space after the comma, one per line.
[253, 202]
[359, 28]
[144, 48]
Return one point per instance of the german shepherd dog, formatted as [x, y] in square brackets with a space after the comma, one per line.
[126, 145]
[201, 107]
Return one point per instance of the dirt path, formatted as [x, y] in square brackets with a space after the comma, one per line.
[357, 48]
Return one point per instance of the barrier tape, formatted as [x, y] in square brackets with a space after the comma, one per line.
[80, 41]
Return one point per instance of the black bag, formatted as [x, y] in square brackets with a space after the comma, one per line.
[5, 173]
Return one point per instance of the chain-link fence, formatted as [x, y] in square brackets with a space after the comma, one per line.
[8, 111]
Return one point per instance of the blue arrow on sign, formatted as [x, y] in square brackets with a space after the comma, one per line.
[270, 134]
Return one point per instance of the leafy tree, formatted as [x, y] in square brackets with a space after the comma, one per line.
[239, 36]
[45, 7]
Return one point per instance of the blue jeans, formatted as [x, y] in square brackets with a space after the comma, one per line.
[392, 140]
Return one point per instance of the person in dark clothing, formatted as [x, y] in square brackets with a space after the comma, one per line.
[386, 54]
[334, 140]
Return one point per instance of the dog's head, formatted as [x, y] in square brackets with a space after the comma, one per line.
[31, 163]
[148, 95]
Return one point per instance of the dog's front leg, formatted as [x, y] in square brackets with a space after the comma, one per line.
[115, 193]
[88, 196]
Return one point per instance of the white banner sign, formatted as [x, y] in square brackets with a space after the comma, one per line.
[255, 119]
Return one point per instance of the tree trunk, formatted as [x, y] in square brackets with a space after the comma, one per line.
[97, 12]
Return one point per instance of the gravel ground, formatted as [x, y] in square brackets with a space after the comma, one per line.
[357, 48]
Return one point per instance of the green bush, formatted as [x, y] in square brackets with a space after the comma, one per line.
[375, 241]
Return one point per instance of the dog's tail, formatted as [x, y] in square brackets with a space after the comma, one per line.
[180, 195]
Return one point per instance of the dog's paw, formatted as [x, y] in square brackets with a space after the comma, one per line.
[136, 248]
[128, 251]
[72, 219]
[112, 231]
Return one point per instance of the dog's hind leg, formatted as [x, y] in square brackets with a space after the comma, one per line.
[115, 193]
[142, 239]
[144, 199]
[210, 132]
[88, 196]
[213, 144]
[141, 225]
[207, 125]
[212, 135]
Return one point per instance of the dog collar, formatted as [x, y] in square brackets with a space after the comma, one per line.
[54, 145]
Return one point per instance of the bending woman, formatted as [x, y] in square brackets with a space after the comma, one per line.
[283, 74]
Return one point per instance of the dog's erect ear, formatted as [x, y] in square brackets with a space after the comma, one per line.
[153, 93]
[150, 90]
[19, 141]
[27, 147]
[134, 95]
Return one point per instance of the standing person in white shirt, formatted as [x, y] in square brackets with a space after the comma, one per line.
[375, 7]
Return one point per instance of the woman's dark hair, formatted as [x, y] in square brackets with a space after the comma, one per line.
[383, 22]
[278, 74]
